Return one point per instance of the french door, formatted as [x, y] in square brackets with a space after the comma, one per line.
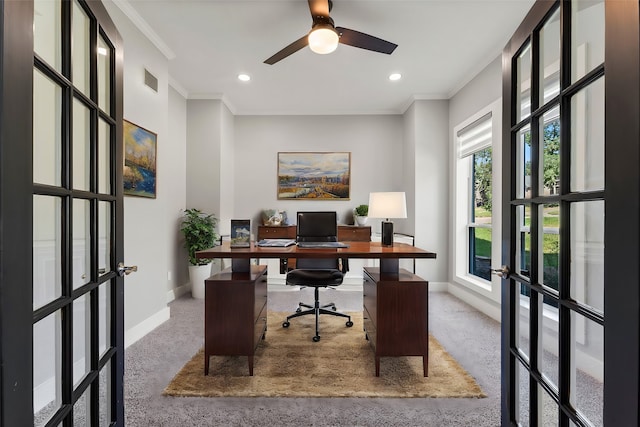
[571, 216]
[61, 318]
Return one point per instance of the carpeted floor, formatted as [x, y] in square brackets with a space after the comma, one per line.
[289, 364]
[469, 336]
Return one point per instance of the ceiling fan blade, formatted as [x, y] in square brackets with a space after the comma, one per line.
[365, 41]
[292, 48]
[319, 8]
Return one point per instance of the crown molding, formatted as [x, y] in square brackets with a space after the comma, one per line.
[178, 87]
[144, 27]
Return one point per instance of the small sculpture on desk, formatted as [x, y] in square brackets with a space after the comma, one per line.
[273, 217]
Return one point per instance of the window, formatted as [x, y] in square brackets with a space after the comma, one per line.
[477, 190]
[480, 214]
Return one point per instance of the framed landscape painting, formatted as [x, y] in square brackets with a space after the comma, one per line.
[314, 175]
[139, 173]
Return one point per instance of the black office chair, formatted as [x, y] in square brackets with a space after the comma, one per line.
[315, 272]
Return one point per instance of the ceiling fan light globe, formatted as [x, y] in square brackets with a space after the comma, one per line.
[323, 40]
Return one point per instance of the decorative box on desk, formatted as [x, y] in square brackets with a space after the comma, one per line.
[396, 315]
[235, 314]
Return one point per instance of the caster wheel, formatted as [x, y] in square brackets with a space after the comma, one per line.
[316, 338]
[366, 337]
[334, 308]
[298, 310]
[349, 324]
[285, 324]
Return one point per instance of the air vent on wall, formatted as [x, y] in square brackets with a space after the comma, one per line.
[150, 80]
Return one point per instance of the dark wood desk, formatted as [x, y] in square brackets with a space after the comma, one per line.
[395, 302]
[389, 256]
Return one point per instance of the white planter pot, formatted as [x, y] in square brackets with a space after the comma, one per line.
[197, 275]
[361, 220]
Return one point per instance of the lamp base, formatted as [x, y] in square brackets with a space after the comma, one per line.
[387, 233]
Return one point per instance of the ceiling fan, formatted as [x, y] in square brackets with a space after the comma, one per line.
[325, 36]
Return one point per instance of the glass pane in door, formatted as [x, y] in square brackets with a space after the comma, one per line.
[105, 395]
[549, 246]
[81, 338]
[587, 369]
[47, 130]
[80, 54]
[82, 409]
[523, 163]
[522, 391]
[104, 75]
[587, 138]
[47, 367]
[104, 318]
[47, 32]
[548, 343]
[81, 146]
[522, 311]
[47, 250]
[587, 37]
[549, 173]
[523, 82]
[550, 58]
[104, 238]
[523, 240]
[104, 157]
[548, 412]
[587, 253]
[81, 243]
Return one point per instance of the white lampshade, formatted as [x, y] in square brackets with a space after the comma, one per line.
[387, 205]
[323, 39]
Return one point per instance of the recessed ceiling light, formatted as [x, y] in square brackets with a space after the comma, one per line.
[395, 76]
[244, 77]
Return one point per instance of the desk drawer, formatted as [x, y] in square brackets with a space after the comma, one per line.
[272, 232]
[350, 233]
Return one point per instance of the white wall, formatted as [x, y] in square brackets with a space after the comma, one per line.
[176, 168]
[150, 224]
[479, 93]
[430, 168]
[375, 143]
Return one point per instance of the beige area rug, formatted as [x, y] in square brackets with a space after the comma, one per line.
[288, 364]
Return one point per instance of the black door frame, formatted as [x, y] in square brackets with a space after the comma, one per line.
[16, 215]
[622, 212]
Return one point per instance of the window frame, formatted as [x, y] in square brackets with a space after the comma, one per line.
[461, 204]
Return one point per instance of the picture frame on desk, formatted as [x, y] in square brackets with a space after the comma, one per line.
[240, 233]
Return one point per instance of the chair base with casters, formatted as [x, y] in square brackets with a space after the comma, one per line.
[324, 278]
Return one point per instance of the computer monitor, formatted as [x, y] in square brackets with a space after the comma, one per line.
[317, 227]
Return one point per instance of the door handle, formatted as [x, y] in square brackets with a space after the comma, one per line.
[502, 272]
[122, 269]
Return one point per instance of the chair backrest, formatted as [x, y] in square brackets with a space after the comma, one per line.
[317, 227]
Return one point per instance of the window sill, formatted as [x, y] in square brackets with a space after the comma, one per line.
[475, 283]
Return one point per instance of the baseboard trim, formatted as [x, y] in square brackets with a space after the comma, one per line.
[177, 292]
[143, 328]
[438, 286]
[480, 303]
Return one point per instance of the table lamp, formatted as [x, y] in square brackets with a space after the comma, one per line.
[387, 205]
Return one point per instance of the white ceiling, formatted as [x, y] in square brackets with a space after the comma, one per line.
[442, 44]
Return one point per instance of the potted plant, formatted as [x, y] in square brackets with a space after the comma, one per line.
[360, 214]
[199, 230]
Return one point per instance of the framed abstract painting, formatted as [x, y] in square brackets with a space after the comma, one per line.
[139, 173]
